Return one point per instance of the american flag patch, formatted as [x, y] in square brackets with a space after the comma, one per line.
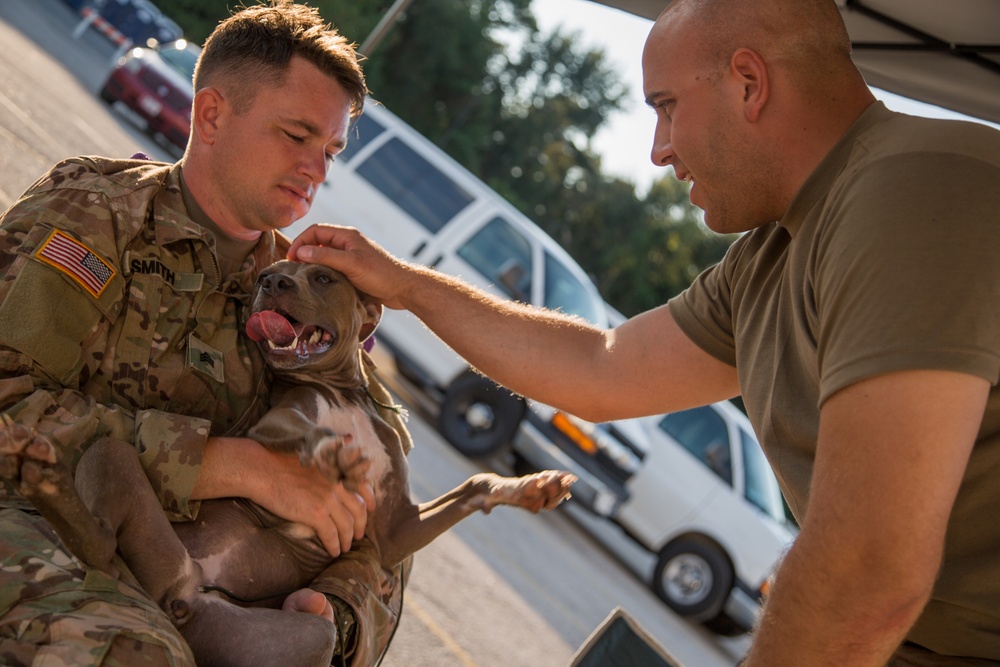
[77, 261]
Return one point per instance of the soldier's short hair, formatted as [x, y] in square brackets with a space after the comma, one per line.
[255, 45]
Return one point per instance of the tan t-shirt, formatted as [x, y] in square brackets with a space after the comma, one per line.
[888, 259]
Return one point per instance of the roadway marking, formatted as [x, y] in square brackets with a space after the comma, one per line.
[424, 616]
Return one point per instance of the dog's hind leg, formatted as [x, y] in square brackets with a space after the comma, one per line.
[31, 462]
[221, 634]
[114, 486]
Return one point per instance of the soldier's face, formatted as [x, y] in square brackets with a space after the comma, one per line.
[275, 155]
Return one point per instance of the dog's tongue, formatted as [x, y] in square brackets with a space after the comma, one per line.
[269, 325]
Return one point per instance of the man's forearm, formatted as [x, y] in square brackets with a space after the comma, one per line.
[534, 351]
[822, 612]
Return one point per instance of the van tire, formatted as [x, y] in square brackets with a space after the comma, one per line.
[694, 577]
[478, 417]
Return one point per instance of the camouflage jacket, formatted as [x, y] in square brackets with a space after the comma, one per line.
[115, 321]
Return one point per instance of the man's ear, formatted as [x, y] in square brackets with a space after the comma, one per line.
[750, 72]
[372, 316]
[206, 114]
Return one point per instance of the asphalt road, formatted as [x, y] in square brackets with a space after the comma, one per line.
[508, 589]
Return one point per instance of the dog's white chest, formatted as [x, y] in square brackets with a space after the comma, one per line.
[354, 421]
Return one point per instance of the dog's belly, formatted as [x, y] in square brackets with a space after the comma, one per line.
[350, 419]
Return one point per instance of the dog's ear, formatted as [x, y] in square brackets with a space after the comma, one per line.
[372, 316]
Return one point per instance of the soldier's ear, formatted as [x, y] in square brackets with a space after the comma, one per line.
[206, 112]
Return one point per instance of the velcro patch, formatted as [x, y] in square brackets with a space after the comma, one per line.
[77, 261]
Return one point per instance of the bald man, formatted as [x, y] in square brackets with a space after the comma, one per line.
[858, 316]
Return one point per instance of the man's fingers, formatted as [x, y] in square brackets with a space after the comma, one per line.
[310, 239]
[330, 537]
[357, 506]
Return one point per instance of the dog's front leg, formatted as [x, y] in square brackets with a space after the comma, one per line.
[418, 526]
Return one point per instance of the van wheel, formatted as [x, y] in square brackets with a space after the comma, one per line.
[478, 417]
[694, 577]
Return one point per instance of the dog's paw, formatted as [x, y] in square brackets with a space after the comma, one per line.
[536, 492]
[30, 461]
[340, 459]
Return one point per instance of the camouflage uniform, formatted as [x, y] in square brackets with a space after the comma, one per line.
[116, 322]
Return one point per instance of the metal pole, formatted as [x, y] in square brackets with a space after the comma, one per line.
[384, 25]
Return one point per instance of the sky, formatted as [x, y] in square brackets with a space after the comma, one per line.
[624, 144]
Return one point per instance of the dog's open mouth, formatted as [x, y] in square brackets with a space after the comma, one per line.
[282, 334]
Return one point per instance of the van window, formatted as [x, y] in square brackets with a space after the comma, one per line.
[761, 487]
[364, 130]
[702, 432]
[564, 292]
[414, 184]
[503, 256]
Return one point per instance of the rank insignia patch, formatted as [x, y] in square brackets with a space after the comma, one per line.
[77, 261]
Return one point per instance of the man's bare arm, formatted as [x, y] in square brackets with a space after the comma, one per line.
[645, 366]
[892, 453]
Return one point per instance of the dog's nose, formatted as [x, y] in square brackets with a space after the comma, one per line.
[277, 283]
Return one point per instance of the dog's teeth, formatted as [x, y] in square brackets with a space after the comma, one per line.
[315, 337]
[270, 344]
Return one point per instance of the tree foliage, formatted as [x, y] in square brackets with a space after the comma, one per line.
[518, 108]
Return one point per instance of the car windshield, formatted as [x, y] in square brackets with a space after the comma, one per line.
[563, 291]
[761, 487]
[180, 58]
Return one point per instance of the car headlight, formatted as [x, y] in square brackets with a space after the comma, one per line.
[132, 61]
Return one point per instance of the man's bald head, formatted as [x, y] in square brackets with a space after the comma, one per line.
[806, 37]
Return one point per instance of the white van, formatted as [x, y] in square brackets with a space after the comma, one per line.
[409, 196]
[692, 487]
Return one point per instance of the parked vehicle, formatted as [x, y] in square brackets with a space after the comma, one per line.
[155, 83]
[416, 201]
[692, 487]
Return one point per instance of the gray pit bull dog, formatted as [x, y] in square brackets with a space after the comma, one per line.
[310, 321]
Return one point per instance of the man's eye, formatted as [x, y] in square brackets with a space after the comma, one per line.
[294, 137]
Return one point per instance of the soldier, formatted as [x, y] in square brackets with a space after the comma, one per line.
[123, 294]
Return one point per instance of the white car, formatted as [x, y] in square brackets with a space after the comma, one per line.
[692, 487]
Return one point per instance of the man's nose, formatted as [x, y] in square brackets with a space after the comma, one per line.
[315, 167]
[662, 153]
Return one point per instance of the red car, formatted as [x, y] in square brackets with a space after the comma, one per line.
[156, 84]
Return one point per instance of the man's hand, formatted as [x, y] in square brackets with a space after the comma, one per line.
[368, 266]
[242, 468]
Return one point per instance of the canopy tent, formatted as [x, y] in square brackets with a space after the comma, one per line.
[945, 53]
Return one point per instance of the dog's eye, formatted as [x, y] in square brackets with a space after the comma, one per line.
[324, 279]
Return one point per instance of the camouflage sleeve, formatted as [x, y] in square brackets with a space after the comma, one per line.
[170, 449]
[61, 292]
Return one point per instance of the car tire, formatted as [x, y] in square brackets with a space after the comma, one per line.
[694, 577]
[478, 417]
[107, 95]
